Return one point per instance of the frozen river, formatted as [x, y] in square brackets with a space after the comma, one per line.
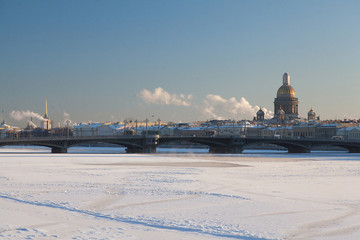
[183, 195]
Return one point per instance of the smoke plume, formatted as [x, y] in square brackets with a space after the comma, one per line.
[67, 121]
[21, 115]
[32, 124]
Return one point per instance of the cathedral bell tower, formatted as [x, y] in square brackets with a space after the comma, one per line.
[46, 122]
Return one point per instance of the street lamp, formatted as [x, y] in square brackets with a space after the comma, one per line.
[146, 126]
[136, 126]
[233, 122]
[67, 128]
[125, 122]
[159, 125]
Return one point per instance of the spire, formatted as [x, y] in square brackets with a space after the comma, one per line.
[286, 79]
[46, 113]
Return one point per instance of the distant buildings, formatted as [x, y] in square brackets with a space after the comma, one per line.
[98, 129]
[285, 124]
[117, 128]
[7, 131]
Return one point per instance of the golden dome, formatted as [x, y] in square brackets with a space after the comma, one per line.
[286, 91]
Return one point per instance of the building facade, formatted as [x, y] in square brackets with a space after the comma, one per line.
[349, 133]
[304, 131]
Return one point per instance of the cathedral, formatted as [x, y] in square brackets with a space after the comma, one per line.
[286, 104]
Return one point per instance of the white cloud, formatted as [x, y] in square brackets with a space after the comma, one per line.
[218, 107]
[214, 106]
[21, 115]
[160, 96]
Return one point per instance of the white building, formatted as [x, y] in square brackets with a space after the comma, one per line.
[349, 133]
[268, 132]
[228, 130]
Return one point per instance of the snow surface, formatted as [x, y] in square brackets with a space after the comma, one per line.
[253, 196]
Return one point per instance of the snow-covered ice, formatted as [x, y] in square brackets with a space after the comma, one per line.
[249, 196]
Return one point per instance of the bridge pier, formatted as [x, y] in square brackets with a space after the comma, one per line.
[354, 150]
[58, 150]
[133, 150]
[298, 149]
[234, 149]
[145, 149]
[219, 150]
[149, 149]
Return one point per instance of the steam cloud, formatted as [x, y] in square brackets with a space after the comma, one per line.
[67, 120]
[31, 124]
[214, 106]
[218, 107]
[21, 115]
[160, 96]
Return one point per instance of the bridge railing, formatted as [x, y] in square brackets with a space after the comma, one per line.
[74, 137]
[39, 138]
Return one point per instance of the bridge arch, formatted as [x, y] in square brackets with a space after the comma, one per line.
[351, 147]
[292, 147]
[55, 148]
[179, 143]
[136, 144]
[212, 143]
[262, 146]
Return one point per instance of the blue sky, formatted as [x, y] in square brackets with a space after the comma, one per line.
[103, 60]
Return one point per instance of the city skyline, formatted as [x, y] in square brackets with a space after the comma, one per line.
[177, 61]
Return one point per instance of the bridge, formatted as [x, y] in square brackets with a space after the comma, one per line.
[133, 144]
[149, 143]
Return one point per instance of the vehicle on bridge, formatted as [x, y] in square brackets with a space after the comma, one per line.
[337, 138]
